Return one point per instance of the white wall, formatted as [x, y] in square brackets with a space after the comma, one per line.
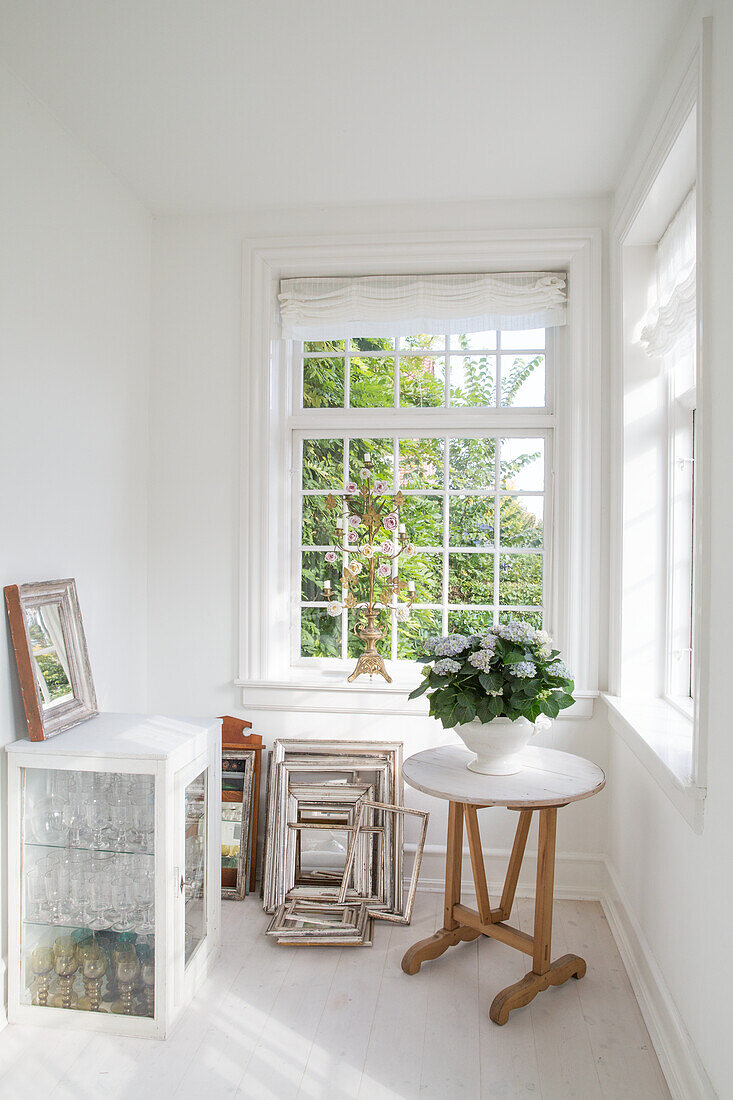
[74, 353]
[194, 486]
[677, 886]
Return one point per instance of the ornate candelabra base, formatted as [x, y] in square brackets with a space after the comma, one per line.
[370, 661]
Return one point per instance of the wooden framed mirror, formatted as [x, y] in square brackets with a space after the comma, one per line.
[51, 655]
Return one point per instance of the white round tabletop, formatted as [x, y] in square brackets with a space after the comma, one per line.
[548, 778]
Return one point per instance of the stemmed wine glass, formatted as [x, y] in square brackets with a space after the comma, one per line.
[144, 896]
[147, 977]
[42, 961]
[125, 907]
[66, 964]
[58, 882]
[100, 901]
[128, 969]
[35, 894]
[94, 963]
[97, 818]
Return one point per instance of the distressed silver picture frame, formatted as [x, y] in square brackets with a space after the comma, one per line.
[334, 765]
[299, 923]
[46, 625]
[395, 917]
[247, 757]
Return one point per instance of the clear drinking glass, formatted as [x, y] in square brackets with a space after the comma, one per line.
[125, 904]
[58, 883]
[97, 817]
[35, 893]
[100, 901]
[47, 822]
[144, 898]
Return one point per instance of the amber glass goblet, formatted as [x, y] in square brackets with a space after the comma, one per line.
[94, 964]
[66, 964]
[42, 966]
[128, 969]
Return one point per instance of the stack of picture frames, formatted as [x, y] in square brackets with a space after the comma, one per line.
[334, 842]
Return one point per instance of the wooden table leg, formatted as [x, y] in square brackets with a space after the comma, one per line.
[452, 932]
[544, 972]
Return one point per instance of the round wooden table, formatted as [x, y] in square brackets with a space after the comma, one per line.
[549, 779]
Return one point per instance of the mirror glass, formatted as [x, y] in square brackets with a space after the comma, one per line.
[50, 658]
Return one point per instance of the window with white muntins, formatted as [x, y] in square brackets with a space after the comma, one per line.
[462, 425]
[476, 397]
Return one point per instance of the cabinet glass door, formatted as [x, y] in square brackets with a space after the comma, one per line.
[88, 891]
[195, 883]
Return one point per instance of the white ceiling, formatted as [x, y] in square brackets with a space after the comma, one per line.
[206, 105]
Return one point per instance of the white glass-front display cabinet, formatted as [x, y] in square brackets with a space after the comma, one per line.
[114, 854]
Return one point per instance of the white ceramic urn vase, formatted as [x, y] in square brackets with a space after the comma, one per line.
[498, 744]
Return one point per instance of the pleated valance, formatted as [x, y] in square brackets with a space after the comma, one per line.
[671, 323]
[403, 305]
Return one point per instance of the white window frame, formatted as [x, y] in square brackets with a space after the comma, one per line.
[670, 740]
[680, 625]
[267, 676]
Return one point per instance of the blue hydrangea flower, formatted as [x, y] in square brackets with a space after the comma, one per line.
[446, 665]
[481, 659]
[516, 631]
[523, 669]
[489, 641]
[430, 644]
[559, 668]
[450, 645]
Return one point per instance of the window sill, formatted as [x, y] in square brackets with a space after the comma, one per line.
[661, 738]
[329, 693]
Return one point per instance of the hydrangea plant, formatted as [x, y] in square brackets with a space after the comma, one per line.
[511, 671]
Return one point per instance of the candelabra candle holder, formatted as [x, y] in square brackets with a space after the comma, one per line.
[368, 531]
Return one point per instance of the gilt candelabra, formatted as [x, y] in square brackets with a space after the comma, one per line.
[368, 531]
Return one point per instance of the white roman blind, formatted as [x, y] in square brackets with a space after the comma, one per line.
[670, 325]
[404, 305]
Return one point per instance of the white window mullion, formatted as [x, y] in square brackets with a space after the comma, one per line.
[347, 374]
[497, 507]
[446, 534]
[397, 372]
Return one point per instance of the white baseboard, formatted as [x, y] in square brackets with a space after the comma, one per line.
[4, 999]
[678, 1057]
[578, 875]
[591, 877]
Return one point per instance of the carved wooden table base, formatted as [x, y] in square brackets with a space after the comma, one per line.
[461, 923]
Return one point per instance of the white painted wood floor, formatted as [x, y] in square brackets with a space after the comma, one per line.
[274, 1023]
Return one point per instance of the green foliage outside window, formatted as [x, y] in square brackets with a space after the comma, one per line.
[472, 465]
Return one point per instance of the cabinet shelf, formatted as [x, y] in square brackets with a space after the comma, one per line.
[87, 848]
